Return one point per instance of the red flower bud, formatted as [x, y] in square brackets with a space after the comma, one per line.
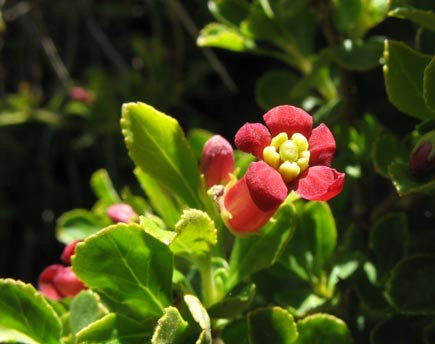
[121, 212]
[68, 251]
[81, 94]
[58, 281]
[422, 160]
[217, 160]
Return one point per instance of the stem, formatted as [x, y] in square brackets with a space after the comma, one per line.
[208, 287]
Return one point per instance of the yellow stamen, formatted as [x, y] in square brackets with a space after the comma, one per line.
[289, 151]
[271, 157]
[300, 141]
[278, 140]
[289, 171]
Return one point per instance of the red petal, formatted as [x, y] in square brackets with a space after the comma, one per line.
[45, 281]
[265, 185]
[321, 146]
[319, 183]
[252, 138]
[288, 119]
[68, 251]
[246, 217]
[217, 160]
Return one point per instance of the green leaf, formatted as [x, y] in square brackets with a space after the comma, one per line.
[128, 268]
[114, 329]
[151, 228]
[274, 88]
[323, 328]
[196, 235]
[236, 332]
[84, 310]
[384, 151]
[358, 55]
[157, 145]
[170, 328]
[77, 224]
[201, 316]
[271, 325]
[225, 37]
[230, 12]
[370, 294]
[234, 303]
[103, 187]
[403, 74]
[159, 198]
[406, 184]
[388, 239]
[197, 139]
[259, 26]
[420, 17]
[396, 330]
[26, 316]
[429, 85]
[410, 288]
[242, 160]
[273, 238]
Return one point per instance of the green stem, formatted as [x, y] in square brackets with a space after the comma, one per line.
[209, 292]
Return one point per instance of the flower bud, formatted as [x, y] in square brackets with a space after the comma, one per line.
[58, 281]
[422, 159]
[81, 94]
[121, 212]
[68, 251]
[217, 160]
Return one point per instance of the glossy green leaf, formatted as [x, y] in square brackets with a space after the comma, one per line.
[170, 328]
[25, 316]
[230, 12]
[403, 74]
[429, 84]
[200, 315]
[274, 88]
[234, 303]
[259, 26]
[157, 232]
[411, 285]
[396, 330]
[420, 17]
[385, 149]
[323, 328]
[218, 35]
[406, 184]
[103, 187]
[157, 145]
[271, 325]
[84, 310]
[273, 238]
[197, 139]
[358, 55]
[159, 198]
[236, 332]
[115, 329]
[388, 239]
[77, 224]
[128, 268]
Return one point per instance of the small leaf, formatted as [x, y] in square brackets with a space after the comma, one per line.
[420, 17]
[26, 316]
[234, 303]
[230, 12]
[388, 239]
[245, 257]
[236, 332]
[103, 187]
[358, 55]
[196, 235]
[405, 184]
[323, 328]
[403, 74]
[151, 228]
[222, 36]
[84, 309]
[115, 329]
[429, 84]
[128, 268]
[411, 285]
[201, 316]
[159, 198]
[77, 224]
[271, 325]
[158, 146]
[274, 88]
[385, 149]
[170, 328]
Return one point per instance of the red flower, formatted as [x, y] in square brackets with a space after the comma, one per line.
[57, 281]
[81, 94]
[217, 160]
[68, 251]
[121, 212]
[294, 157]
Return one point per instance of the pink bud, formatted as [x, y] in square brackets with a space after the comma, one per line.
[57, 281]
[68, 251]
[422, 161]
[81, 94]
[121, 212]
[217, 160]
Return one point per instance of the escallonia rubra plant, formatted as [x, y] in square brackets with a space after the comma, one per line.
[166, 268]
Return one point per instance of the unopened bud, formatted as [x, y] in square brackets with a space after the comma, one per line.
[121, 212]
[81, 94]
[58, 281]
[68, 251]
[422, 159]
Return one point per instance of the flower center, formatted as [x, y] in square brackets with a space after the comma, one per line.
[289, 157]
